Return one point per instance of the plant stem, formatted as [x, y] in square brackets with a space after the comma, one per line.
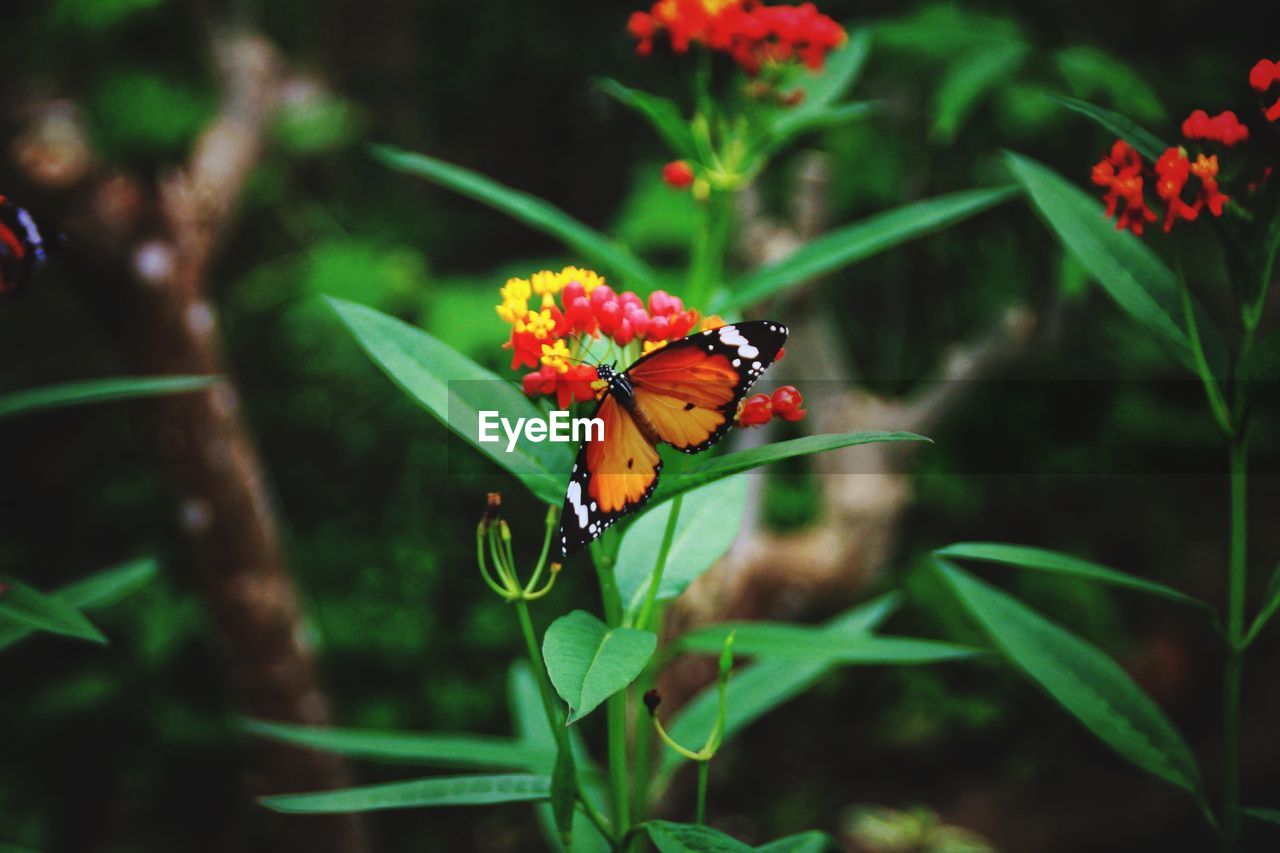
[706, 264]
[1238, 573]
[615, 710]
[660, 565]
[704, 771]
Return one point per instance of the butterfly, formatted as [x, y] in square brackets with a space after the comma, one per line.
[23, 245]
[685, 394]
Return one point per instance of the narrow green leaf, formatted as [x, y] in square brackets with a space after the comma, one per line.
[26, 607]
[661, 113]
[720, 467]
[671, 837]
[709, 523]
[1265, 815]
[765, 684]
[1127, 268]
[1086, 682]
[1092, 72]
[615, 261]
[588, 661]
[969, 79]
[839, 73]
[859, 241]
[778, 640]
[1042, 560]
[98, 391]
[1268, 609]
[10, 847]
[812, 841]
[443, 749]
[455, 390]
[1144, 141]
[104, 588]
[417, 793]
[792, 124]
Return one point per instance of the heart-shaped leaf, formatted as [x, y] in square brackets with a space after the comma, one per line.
[588, 661]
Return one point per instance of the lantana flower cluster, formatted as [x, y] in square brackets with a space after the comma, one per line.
[1125, 176]
[559, 318]
[753, 34]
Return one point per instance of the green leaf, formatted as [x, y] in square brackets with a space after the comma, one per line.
[26, 607]
[564, 794]
[10, 847]
[615, 261]
[967, 81]
[812, 841]
[1127, 268]
[765, 684]
[859, 241]
[720, 467]
[797, 122]
[455, 390]
[661, 113]
[671, 837]
[1144, 142]
[1268, 609]
[98, 391]
[417, 793]
[709, 523]
[98, 590]
[1040, 559]
[778, 640]
[444, 749]
[1090, 72]
[588, 661]
[1086, 682]
[1265, 815]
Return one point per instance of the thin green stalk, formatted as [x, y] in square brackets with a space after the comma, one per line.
[706, 265]
[660, 565]
[1238, 575]
[554, 719]
[615, 705]
[704, 768]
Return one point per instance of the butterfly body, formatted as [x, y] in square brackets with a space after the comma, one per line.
[23, 245]
[684, 394]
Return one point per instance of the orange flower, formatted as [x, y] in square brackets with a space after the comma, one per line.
[1121, 173]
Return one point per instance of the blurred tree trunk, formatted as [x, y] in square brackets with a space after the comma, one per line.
[167, 238]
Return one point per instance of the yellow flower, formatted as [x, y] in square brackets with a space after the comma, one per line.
[539, 323]
[556, 355]
[515, 300]
[589, 279]
[650, 346]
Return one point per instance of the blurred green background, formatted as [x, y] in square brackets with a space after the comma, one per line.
[1091, 443]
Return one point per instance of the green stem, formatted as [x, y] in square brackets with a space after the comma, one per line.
[1235, 634]
[615, 706]
[706, 265]
[704, 768]
[660, 565]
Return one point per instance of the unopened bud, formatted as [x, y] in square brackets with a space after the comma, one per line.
[652, 699]
[555, 568]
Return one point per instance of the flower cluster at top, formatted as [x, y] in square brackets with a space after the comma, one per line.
[560, 318]
[1125, 176]
[753, 34]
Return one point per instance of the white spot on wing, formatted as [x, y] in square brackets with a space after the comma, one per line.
[575, 500]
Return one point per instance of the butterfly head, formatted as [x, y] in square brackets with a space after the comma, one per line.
[619, 384]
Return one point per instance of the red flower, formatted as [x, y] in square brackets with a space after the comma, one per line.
[1263, 75]
[1121, 173]
[755, 410]
[788, 404]
[573, 385]
[1224, 128]
[1206, 169]
[677, 174]
[752, 33]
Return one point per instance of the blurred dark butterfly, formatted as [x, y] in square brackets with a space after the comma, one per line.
[24, 245]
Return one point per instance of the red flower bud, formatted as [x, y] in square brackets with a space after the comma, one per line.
[610, 315]
[625, 332]
[788, 404]
[1264, 74]
[602, 294]
[659, 329]
[755, 411]
[677, 174]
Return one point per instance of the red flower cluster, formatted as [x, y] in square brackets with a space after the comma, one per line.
[551, 337]
[759, 409]
[1262, 77]
[1121, 173]
[1224, 128]
[752, 33]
